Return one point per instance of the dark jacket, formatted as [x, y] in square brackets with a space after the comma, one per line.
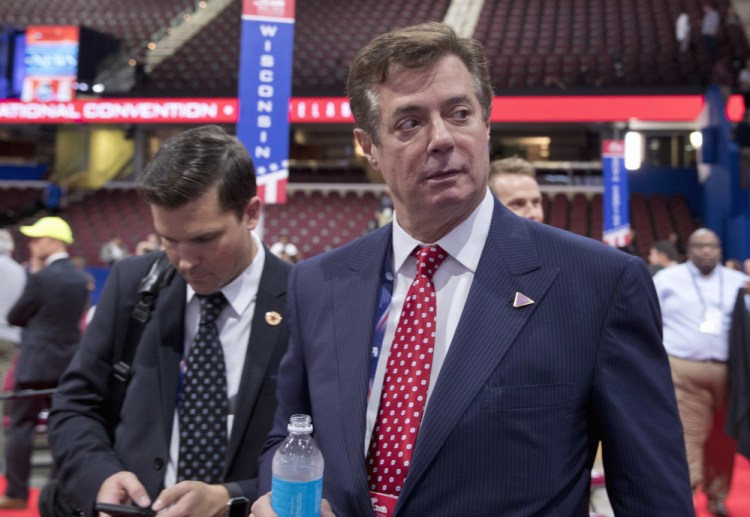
[78, 425]
[49, 310]
[738, 413]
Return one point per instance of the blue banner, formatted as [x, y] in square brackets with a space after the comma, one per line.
[265, 83]
[616, 195]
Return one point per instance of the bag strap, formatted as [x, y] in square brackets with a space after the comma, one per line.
[158, 277]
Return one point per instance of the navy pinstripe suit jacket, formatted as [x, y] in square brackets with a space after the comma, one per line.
[524, 395]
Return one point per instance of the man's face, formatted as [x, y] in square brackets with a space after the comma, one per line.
[433, 144]
[654, 257]
[520, 193]
[704, 250]
[208, 247]
[42, 247]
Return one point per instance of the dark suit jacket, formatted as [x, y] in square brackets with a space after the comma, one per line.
[78, 431]
[524, 394]
[737, 424]
[49, 310]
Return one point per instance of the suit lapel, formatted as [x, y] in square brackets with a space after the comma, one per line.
[264, 339]
[169, 318]
[354, 313]
[488, 327]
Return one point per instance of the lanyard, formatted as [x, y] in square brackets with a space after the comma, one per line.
[704, 305]
[381, 315]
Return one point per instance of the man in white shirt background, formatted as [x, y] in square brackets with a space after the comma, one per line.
[696, 300]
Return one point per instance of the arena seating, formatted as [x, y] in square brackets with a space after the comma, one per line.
[16, 201]
[558, 212]
[640, 221]
[133, 22]
[581, 43]
[101, 215]
[585, 43]
[207, 64]
[324, 43]
[684, 222]
[320, 217]
[661, 217]
[579, 215]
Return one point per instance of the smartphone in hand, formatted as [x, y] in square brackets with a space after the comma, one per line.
[122, 510]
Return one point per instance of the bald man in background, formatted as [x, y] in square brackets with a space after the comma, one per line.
[696, 300]
[513, 182]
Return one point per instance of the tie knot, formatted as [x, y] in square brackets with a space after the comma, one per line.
[429, 259]
[211, 306]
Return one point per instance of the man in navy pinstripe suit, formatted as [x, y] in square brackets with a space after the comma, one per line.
[545, 342]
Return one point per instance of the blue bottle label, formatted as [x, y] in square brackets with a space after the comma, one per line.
[296, 499]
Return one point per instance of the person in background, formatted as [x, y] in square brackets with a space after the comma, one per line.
[710, 28]
[697, 299]
[682, 31]
[200, 399]
[151, 243]
[80, 263]
[743, 84]
[733, 264]
[13, 280]
[513, 181]
[508, 348]
[49, 311]
[662, 254]
[113, 250]
[285, 250]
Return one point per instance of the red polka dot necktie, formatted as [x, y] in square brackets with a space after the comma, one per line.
[203, 414]
[407, 378]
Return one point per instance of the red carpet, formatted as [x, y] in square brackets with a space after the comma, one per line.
[30, 511]
[739, 496]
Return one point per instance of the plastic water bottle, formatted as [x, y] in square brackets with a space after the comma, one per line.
[297, 484]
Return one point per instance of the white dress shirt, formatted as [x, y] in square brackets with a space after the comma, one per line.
[234, 324]
[685, 296]
[452, 282]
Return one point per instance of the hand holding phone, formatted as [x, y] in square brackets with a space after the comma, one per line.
[122, 510]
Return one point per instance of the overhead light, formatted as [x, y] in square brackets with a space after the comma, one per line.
[696, 139]
[633, 150]
[98, 88]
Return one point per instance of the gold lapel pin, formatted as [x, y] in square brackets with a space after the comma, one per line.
[521, 300]
[273, 318]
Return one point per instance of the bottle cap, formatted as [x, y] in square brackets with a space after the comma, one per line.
[300, 424]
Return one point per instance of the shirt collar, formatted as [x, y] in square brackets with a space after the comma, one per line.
[464, 243]
[241, 291]
[715, 272]
[56, 256]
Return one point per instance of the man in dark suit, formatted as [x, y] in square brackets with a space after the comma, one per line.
[201, 189]
[49, 311]
[542, 342]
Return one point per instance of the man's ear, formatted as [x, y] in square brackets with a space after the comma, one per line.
[252, 212]
[365, 142]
